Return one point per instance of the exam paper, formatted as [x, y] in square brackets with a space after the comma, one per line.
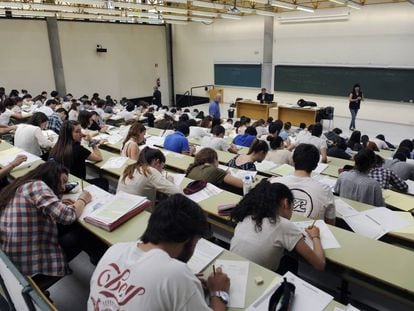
[209, 191]
[410, 186]
[238, 272]
[307, 296]
[50, 135]
[8, 155]
[328, 240]
[320, 168]
[326, 180]
[114, 162]
[114, 138]
[151, 141]
[205, 252]
[265, 166]
[344, 208]
[284, 170]
[178, 178]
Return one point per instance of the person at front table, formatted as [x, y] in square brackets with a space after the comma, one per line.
[214, 107]
[30, 210]
[145, 177]
[177, 141]
[263, 96]
[154, 270]
[264, 230]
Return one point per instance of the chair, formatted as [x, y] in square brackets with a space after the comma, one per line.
[20, 294]
[329, 115]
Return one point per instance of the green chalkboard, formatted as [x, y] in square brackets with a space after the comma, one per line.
[376, 83]
[238, 75]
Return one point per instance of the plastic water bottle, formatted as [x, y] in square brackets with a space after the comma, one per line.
[247, 184]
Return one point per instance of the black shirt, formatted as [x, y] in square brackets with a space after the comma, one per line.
[156, 100]
[355, 104]
[78, 165]
[338, 153]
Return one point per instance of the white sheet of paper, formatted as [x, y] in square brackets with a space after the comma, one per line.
[178, 178]
[344, 208]
[205, 252]
[224, 167]
[154, 140]
[242, 173]
[328, 240]
[388, 219]
[284, 170]
[365, 226]
[114, 138]
[307, 296]
[320, 168]
[238, 272]
[326, 180]
[51, 135]
[410, 186]
[265, 166]
[115, 162]
[7, 156]
[209, 191]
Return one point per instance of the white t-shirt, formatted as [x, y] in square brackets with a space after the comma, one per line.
[318, 142]
[46, 110]
[126, 115]
[5, 117]
[280, 156]
[198, 132]
[215, 143]
[267, 246]
[380, 143]
[129, 279]
[31, 139]
[311, 197]
[73, 115]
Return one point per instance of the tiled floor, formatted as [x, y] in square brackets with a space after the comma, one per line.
[71, 292]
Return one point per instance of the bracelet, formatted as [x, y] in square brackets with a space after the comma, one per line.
[80, 199]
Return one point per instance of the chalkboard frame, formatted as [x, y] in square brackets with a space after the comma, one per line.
[376, 82]
[238, 75]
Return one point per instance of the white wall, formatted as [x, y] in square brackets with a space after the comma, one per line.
[127, 69]
[25, 60]
[377, 35]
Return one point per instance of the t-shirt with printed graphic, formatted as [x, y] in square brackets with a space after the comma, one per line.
[311, 197]
[128, 278]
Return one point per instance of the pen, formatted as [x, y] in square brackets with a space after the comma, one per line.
[314, 221]
[82, 185]
[214, 270]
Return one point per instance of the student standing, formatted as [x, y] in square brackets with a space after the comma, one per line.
[214, 108]
[355, 98]
[264, 230]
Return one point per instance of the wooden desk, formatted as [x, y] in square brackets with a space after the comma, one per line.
[297, 115]
[253, 109]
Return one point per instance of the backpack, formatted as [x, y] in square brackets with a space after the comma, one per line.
[304, 103]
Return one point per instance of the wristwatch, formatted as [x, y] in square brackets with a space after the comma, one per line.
[224, 296]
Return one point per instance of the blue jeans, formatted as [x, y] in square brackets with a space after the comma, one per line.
[353, 117]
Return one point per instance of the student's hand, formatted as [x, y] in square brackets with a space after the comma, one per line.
[313, 232]
[19, 159]
[218, 282]
[68, 201]
[13, 127]
[192, 150]
[170, 178]
[86, 196]
[203, 281]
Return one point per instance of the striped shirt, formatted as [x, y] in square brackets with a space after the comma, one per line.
[28, 231]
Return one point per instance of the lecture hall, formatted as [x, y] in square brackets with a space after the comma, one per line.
[207, 155]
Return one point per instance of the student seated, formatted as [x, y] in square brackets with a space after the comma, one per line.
[228, 125]
[155, 267]
[128, 113]
[261, 127]
[6, 113]
[354, 142]
[178, 141]
[399, 164]
[217, 141]
[205, 167]
[56, 120]
[274, 129]
[135, 137]
[387, 178]
[264, 230]
[357, 185]
[243, 124]
[407, 143]
[74, 110]
[30, 209]
[338, 150]
[97, 124]
[145, 177]
[247, 138]
[69, 152]
[379, 140]
[278, 154]
[201, 131]
[49, 108]
[312, 198]
[257, 152]
[286, 131]
[316, 140]
[30, 138]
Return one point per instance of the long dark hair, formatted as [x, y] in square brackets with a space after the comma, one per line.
[263, 201]
[62, 151]
[258, 146]
[38, 118]
[204, 156]
[84, 118]
[135, 129]
[146, 156]
[48, 172]
[354, 87]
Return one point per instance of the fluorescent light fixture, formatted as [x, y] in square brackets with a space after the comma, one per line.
[177, 1]
[305, 9]
[142, 14]
[175, 17]
[32, 13]
[210, 5]
[114, 18]
[172, 10]
[101, 11]
[204, 13]
[314, 18]
[202, 20]
[58, 8]
[266, 13]
[249, 11]
[175, 22]
[126, 5]
[338, 1]
[230, 16]
[86, 2]
[11, 5]
[150, 21]
[283, 5]
[353, 5]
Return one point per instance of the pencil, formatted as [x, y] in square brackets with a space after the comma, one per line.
[314, 221]
[214, 270]
[82, 185]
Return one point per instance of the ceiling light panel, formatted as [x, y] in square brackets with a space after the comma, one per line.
[283, 5]
[204, 13]
[210, 5]
[230, 16]
[172, 10]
